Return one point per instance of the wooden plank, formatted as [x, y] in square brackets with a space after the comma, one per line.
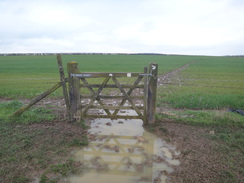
[102, 74]
[112, 97]
[114, 107]
[128, 93]
[35, 100]
[63, 82]
[152, 92]
[127, 96]
[93, 93]
[114, 116]
[110, 86]
[145, 120]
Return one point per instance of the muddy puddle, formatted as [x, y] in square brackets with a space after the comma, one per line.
[122, 151]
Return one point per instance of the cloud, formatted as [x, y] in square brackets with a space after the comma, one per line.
[175, 26]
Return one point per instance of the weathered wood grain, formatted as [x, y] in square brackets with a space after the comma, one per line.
[74, 89]
[152, 92]
[63, 83]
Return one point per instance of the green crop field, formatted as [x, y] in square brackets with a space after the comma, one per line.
[207, 83]
[27, 76]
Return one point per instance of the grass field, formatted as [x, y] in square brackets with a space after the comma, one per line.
[208, 83]
[199, 95]
[26, 76]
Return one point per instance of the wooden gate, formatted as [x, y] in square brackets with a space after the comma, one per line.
[138, 95]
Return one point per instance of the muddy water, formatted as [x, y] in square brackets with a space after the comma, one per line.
[122, 151]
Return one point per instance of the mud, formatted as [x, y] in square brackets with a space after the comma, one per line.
[124, 152]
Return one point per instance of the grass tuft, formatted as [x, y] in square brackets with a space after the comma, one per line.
[20, 179]
[66, 168]
[79, 142]
[30, 116]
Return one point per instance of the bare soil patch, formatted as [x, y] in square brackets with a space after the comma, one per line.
[201, 161]
[167, 78]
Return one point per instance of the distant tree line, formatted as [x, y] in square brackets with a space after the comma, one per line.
[77, 53]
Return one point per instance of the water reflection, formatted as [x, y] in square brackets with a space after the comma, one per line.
[122, 151]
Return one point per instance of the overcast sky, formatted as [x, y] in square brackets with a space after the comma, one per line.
[196, 27]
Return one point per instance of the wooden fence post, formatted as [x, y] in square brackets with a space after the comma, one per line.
[145, 120]
[152, 92]
[62, 79]
[74, 89]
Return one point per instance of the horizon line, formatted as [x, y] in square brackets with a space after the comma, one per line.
[103, 53]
